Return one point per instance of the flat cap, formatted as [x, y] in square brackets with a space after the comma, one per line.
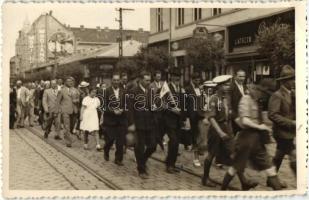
[222, 79]
[209, 84]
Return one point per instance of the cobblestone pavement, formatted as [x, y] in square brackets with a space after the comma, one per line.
[35, 165]
[126, 177]
[185, 161]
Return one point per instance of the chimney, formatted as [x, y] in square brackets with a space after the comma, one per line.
[82, 27]
[106, 28]
[98, 28]
[140, 30]
[50, 12]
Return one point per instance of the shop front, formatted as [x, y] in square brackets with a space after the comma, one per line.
[242, 50]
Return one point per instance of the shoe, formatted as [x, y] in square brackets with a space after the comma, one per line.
[273, 182]
[78, 136]
[86, 146]
[283, 184]
[99, 148]
[69, 145]
[176, 170]
[219, 165]
[57, 137]
[46, 135]
[170, 170]
[31, 125]
[119, 163]
[106, 157]
[196, 163]
[249, 185]
[207, 183]
[143, 176]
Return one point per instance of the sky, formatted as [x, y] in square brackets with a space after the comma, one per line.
[89, 15]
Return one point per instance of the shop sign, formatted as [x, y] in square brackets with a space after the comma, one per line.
[41, 45]
[243, 35]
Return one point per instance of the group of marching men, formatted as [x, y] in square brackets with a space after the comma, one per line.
[231, 110]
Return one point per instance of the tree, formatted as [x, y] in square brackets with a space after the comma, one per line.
[128, 65]
[277, 43]
[153, 58]
[148, 58]
[205, 54]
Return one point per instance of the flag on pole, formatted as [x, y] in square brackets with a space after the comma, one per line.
[165, 89]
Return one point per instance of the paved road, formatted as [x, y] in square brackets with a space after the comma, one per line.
[35, 165]
[126, 177]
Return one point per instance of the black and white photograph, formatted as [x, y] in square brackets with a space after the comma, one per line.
[193, 98]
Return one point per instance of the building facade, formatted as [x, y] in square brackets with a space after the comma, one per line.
[173, 28]
[47, 40]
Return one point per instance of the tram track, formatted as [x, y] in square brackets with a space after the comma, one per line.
[87, 168]
[102, 178]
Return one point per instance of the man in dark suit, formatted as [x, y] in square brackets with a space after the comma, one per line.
[13, 101]
[281, 111]
[173, 118]
[155, 87]
[193, 107]
[238, 90]
[115, 119]
[143, 122]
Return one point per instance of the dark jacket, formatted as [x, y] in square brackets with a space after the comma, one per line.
[235, 98]
[110, 104]
[194, 105]
[140, 109]
[173, 120]
[281, 111]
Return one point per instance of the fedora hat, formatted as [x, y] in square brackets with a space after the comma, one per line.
[287, 72]
[83, 84]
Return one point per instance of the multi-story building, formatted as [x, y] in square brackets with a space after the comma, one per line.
[172, 29]
[14, 68]
[47, 39]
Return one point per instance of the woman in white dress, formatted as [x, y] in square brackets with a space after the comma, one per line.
[89, 117]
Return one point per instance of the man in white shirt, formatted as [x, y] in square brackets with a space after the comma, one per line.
[115, 119]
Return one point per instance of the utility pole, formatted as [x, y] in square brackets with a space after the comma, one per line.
[120, 10]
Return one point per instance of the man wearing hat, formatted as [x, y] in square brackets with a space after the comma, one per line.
[250, 144]
[282, 113]
[220, 135]
[173, 118]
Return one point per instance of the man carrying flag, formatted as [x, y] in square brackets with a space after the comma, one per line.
[173, 115]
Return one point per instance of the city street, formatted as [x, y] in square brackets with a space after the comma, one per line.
[41, 164]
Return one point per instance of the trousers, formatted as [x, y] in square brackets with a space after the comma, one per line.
[145, 146]
[115, 134]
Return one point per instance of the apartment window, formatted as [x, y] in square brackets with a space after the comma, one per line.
[216, 11]
[159, 19]
[180, 16]
[197, 14]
